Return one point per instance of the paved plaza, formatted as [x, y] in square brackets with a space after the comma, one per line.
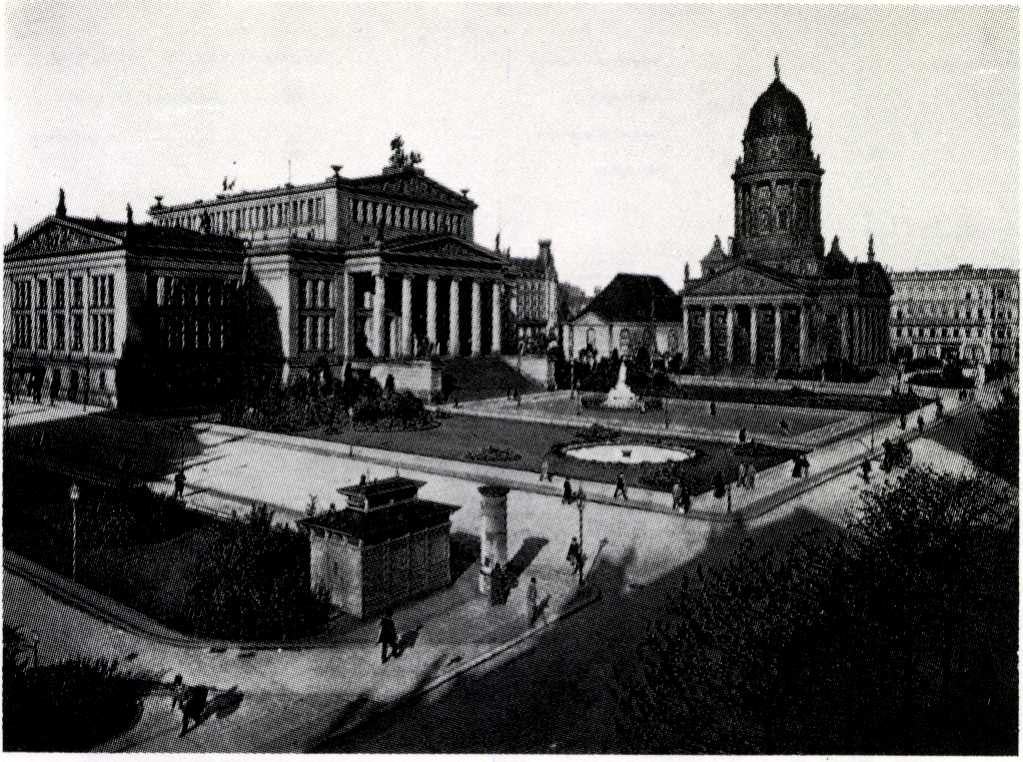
[302, 698]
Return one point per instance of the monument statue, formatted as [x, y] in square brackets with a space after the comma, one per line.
[622, 397]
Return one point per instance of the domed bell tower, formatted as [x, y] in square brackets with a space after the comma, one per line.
[777, 185]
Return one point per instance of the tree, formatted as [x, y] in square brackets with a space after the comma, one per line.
[996, 449]
[897, 637]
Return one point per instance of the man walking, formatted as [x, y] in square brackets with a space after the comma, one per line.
[620, 487]
[566, 494]
[920, 423]
[532, 598]
[575, 556]
[179, 484]
[388, 636]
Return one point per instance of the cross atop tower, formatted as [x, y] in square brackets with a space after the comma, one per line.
[777, 68]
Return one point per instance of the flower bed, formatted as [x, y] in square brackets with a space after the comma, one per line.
[493, 454]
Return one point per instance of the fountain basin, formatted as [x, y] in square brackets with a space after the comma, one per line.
[632, 453]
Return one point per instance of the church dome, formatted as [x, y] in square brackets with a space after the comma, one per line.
[778, 111]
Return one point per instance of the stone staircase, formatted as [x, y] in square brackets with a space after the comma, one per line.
[475, 378]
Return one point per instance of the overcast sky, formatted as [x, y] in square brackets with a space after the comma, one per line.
[612, 130]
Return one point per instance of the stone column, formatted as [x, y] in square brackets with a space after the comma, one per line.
[706, 333]
[843, 329]
[431, 310]
[804, 335]
[378, 315]
[493, 532]
[753, 335]
[684, 344]
[777, 336]
[475, 320]
[347, 335]
[406, 316]
[730, 334]
[495, 318]
[454, 336]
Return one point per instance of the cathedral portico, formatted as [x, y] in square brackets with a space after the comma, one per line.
[775, 299]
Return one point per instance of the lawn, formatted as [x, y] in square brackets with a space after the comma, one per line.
[459, 435]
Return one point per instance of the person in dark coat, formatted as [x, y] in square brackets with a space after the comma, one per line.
[713, 409]
[193, 706]
[575, 555]
[742, 435]
[566, 495]
[620, 487]
[54, 388]
[179, 484]
[866, 468]
[797, 467]
[902, 421]
[920, 423]
[719, 484]
[388, 636]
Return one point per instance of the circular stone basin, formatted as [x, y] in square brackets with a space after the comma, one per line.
[636, 453]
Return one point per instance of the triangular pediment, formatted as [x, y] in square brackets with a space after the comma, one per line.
[412, 185]
[59, 236]
[441, 248]
[741, 280]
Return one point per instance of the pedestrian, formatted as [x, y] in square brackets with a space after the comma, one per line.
[388, 637]
[566, 494]
[545, 466]
[729, 489]
[742, 475]
[713, 409]
[797, 466]
[805, 463]
[179, 484]
[574, 553]
[620, 487]
[751, 476]
[902, 421]
[742, 435]
[532, 598]
[686, 500]
[178, 692]
[193, 706]
[920, 423]
[866, 468]
[719, 485]
[939, 408]
[497, 586]
[54, 388]
[676, 496]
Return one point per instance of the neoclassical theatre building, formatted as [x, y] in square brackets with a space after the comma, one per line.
[380, 270]
[775, 298]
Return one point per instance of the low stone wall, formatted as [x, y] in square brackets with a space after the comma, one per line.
[880, 386]
[421, 377]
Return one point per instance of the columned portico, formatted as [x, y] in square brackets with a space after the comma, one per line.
[379, 286]
[475, 321]
[431, 310]
[803, 335]
[495, 318]
[753, 334]
[347, 329]
[777, 335]
[406, 316]
[730, 334]
[684, 349]
[454, 334]
[706, 333]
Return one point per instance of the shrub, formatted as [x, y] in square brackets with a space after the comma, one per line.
[592, 400]
[492, 454]
[597, 433]
[663, 476]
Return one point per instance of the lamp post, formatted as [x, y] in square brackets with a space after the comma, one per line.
[74, 494]
[581, 505]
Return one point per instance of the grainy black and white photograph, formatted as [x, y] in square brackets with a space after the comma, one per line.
[510, 378]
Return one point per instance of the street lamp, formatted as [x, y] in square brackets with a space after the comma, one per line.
[74, 494]
[581, 505]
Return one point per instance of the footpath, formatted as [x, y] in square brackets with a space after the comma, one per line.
[774, 486]
[290, 696]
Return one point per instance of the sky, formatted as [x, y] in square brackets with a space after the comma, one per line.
[612, 130]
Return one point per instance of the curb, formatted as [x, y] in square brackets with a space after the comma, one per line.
[412, 696]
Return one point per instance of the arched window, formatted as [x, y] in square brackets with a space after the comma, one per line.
[624, 342]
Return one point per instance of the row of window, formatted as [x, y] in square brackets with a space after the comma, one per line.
[407, 218]
[195, 334]
[943, 309]
[202, 293]
[256, 217]
[49, 314]
[316, 333]
[945, 333]
[966, 292]
[315, 293]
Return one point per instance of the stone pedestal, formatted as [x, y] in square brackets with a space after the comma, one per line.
[493, 532]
